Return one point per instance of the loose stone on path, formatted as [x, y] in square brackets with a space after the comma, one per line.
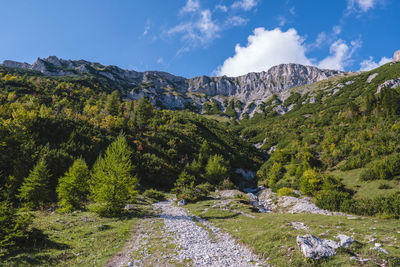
[195, 244]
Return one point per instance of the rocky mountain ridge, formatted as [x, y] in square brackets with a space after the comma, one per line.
[203, 94]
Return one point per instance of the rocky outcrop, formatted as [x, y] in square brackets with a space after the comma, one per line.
[174, 92]
[316, 248]
[393, 84]
[396, 56]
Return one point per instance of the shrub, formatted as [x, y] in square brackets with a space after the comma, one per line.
[112, 183]
[35, 188]
[384, 186]
[154, 194]
[227, 184]
[285, 191]
[387, 168]
[330, 199]
[185, 188]
[193, 194]
[73, 187]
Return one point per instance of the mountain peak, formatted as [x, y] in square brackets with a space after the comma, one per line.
[175, 92]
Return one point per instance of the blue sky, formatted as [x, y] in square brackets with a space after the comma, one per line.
[203, 37]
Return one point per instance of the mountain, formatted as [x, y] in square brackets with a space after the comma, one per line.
[203, 94]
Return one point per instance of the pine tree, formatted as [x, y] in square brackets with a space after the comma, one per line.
[112, 183]
[143, 113]
[73, 187]
[216, 169]
[34, 190]
[112, 104]
[13, 228]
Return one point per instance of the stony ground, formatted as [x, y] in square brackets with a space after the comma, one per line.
[174, 238]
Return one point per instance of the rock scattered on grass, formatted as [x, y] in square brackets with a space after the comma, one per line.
[316, 248]
[345, 240]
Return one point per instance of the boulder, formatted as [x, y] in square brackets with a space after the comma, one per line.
[345, 240]
[316, 248]
[182, 202]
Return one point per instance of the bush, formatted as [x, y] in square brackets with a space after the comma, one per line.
[112, 183]
[154, 194]
[386, 168]
[185, 188]
[197, 193]
[227, 184]
[330, 199]
[384, 186]
[73, 187]
[285, 191]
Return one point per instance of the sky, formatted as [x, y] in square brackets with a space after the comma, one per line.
[203, 37]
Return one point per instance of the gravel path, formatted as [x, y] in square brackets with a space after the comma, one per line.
[200, 243]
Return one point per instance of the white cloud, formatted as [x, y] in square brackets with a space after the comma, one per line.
[360, 5]
[370, 64]
[326, 38]
[191, 6]
[160, 60]
[320, 39]
[265, 48]
[236, 21]
[203, 30]
[282, 21]
[222, 8]
[340, 55]
[146, 30]
[292, 11]
[246, 5]
[337, 29]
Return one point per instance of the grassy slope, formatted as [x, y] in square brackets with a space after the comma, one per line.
[308, 121]
[369, 189]
[74, 239]
[272, 236]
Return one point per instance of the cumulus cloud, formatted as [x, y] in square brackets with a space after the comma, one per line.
[370, 64]
[202, 30]
[191, 6]
[340, 55]
[246, 5]
[265, 48]
[360, 5]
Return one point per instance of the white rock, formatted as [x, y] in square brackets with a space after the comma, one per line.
[371, 77]
[345, 240]
[316, 248]
[299, 226]
[182, 202]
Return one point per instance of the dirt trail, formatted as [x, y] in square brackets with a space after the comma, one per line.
[173, 238]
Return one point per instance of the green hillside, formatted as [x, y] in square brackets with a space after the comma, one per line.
[61, 119]
[348, 130]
